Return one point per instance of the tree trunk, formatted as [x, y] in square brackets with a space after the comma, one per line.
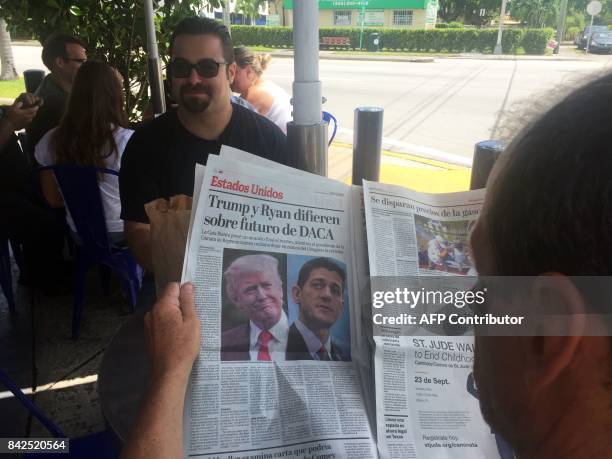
[8, 70]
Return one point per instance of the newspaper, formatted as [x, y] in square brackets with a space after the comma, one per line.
[293, 405]
[359, 397]
[426, 399]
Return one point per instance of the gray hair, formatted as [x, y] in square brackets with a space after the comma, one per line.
[260, 263]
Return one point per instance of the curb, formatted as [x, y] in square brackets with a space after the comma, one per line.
[416, 158]
[25, 43]
[429, 59]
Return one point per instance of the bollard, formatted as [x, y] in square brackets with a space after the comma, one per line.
[33, 79]
[485, 155]
[367, 142]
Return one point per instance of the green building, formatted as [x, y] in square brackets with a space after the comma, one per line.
[411, 14]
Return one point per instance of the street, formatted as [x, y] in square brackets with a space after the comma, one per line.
[438, 109]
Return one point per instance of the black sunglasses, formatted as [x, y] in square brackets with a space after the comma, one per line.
[206, 68]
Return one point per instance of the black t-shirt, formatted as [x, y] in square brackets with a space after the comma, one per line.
[160, 157]
[48, 115]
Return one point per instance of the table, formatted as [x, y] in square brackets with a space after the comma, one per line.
[123, 376]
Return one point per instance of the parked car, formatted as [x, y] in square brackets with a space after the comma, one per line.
[601, 41]
[581, 39]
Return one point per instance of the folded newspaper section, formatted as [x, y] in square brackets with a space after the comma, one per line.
[426, 399]
[269, 251]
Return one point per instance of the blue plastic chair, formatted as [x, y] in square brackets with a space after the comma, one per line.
[81, 193]
[6, 277]
[328, 117]
[32, 408]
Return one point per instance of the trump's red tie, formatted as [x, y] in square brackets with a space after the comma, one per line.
[264, 352]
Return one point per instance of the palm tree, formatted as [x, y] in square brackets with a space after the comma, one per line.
[8, 70]
[250, 8]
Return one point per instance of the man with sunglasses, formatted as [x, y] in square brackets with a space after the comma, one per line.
[62, 54]
[160, 158]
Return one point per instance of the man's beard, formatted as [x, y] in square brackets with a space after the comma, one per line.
[194, 104]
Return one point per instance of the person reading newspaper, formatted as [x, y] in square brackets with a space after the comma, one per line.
[551, 396]
[547, 213]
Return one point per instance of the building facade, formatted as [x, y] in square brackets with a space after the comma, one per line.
[410, 14]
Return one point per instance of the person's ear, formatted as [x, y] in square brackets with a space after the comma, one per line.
[59, 62]
[296, 292]
[560, 325]
[231, 72]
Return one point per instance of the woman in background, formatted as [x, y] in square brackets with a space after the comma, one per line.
[92, 132]
[268, 98]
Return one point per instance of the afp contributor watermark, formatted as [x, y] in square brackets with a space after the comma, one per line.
[504, 306]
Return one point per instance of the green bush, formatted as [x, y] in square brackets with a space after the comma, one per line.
[449, 25]
[272, 36]
[511, 40]
[455, 40]
[535, 41]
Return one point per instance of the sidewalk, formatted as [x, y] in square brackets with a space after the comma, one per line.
[407, 170]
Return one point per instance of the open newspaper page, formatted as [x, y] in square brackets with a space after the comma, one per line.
[359, 272]
[269, 255]
[426, 401]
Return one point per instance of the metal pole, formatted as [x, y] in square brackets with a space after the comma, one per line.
[362, 23]
[307, 133]
[590, 34]
[498, 45]
[226, 16]
[367, 143]
[156, 82]
[561, 27]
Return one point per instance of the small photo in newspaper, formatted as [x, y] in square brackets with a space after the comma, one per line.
[318, 309]
[444, 245]
[254, 308]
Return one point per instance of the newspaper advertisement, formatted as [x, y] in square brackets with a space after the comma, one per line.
[426, 399]
[269, 253]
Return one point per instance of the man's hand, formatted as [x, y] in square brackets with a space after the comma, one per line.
[173, 332]
[23, 111]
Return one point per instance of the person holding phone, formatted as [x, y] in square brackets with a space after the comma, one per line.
[24, 219]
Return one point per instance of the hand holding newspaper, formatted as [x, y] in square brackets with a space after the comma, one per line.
[288, 365]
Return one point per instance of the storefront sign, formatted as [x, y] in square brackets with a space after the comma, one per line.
[373, 18]
[368, 4]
